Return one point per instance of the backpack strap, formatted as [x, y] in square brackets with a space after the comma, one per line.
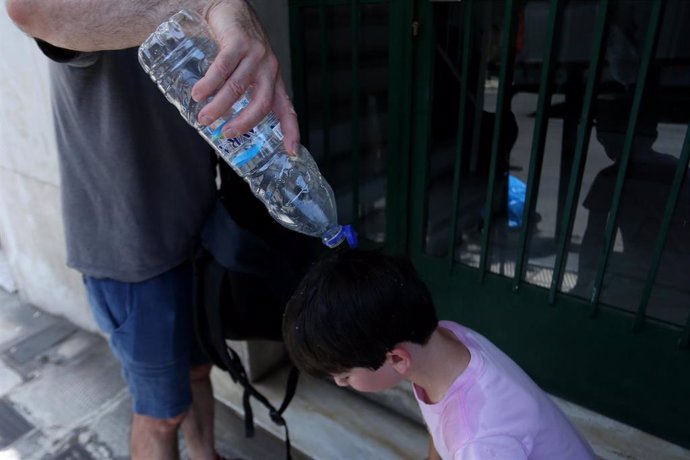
[275, 414]
[232, 363]
[201, 321]
[290, 389]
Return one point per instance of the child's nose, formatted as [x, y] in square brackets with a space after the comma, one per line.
[340, 381]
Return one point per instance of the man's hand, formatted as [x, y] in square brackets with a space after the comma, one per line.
[245, 60]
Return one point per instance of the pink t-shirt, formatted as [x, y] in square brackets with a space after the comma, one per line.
[493, 410]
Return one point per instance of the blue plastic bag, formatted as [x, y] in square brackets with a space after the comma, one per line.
[516, 201]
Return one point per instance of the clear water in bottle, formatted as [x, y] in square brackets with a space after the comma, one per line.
[295, 193]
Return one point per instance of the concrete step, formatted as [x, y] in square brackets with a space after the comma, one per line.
[232, 444]
[6, 279]
[328, 422]
[613, 440]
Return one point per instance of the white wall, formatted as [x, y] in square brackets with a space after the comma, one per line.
[31, 232]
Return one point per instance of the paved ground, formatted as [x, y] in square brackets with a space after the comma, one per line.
[62, 396]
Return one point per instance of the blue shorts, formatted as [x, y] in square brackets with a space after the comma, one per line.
[150, 325]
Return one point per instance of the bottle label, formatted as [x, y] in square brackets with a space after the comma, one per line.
[246, 156]
[277, 132]
[252, 142]
[234, 143]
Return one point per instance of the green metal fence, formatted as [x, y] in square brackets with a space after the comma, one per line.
[425, 115]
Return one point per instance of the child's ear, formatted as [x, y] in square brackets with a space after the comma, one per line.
[401, 360]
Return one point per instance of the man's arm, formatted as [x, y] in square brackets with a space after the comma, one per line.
[95, 25]
[244, 59]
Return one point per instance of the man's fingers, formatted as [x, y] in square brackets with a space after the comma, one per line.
[230, 91]
[284, 110]
[245, 61]
[261, 103]
[217, 74]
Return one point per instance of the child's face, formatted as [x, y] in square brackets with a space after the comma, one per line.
[367, 380]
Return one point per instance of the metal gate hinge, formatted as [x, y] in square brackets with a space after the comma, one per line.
[415, 28]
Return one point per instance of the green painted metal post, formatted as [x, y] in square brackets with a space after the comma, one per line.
[324, 44]
[420, 117]
[610, 233]
[684, 341]
[584, 131]
[398, 153]
[504, 84]
[298, 74]
[356, 154]
[539, 135]
[671, 203]
[460, 141]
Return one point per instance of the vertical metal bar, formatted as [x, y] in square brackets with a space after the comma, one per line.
[671, 203]
[584, 131]
[399, 96]
[422, 91]
[466, 50]
[610, 233]
[485, 17]
[504, 83]
[297, 68]
[684, 341]
[354, 24]
[324, 68]
[539, 135]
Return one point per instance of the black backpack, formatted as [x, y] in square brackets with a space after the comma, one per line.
[246, 267]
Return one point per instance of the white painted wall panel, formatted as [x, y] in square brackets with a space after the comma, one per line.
[31, 232]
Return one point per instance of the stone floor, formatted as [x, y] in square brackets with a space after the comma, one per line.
[6, 279]
[62, 398]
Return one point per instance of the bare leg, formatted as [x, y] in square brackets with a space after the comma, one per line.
[197, 426]
[155, 439]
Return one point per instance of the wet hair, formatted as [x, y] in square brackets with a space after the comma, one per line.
[351, 308]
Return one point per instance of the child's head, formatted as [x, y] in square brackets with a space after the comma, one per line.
[352, 309]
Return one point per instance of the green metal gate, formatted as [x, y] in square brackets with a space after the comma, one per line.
[532, 159]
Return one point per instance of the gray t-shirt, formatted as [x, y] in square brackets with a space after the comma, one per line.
[136, 180]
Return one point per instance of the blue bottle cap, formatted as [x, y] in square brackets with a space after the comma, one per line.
[338, 234]
[351, 236]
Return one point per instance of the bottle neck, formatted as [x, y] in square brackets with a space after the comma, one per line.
[336, 234]
[333, 237]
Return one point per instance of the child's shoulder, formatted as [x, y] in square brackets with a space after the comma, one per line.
[465, 335]
[456, 328]
[488, 365]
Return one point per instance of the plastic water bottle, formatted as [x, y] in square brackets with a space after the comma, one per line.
[295, 193]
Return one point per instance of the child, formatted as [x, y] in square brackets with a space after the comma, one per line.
[368, 321]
